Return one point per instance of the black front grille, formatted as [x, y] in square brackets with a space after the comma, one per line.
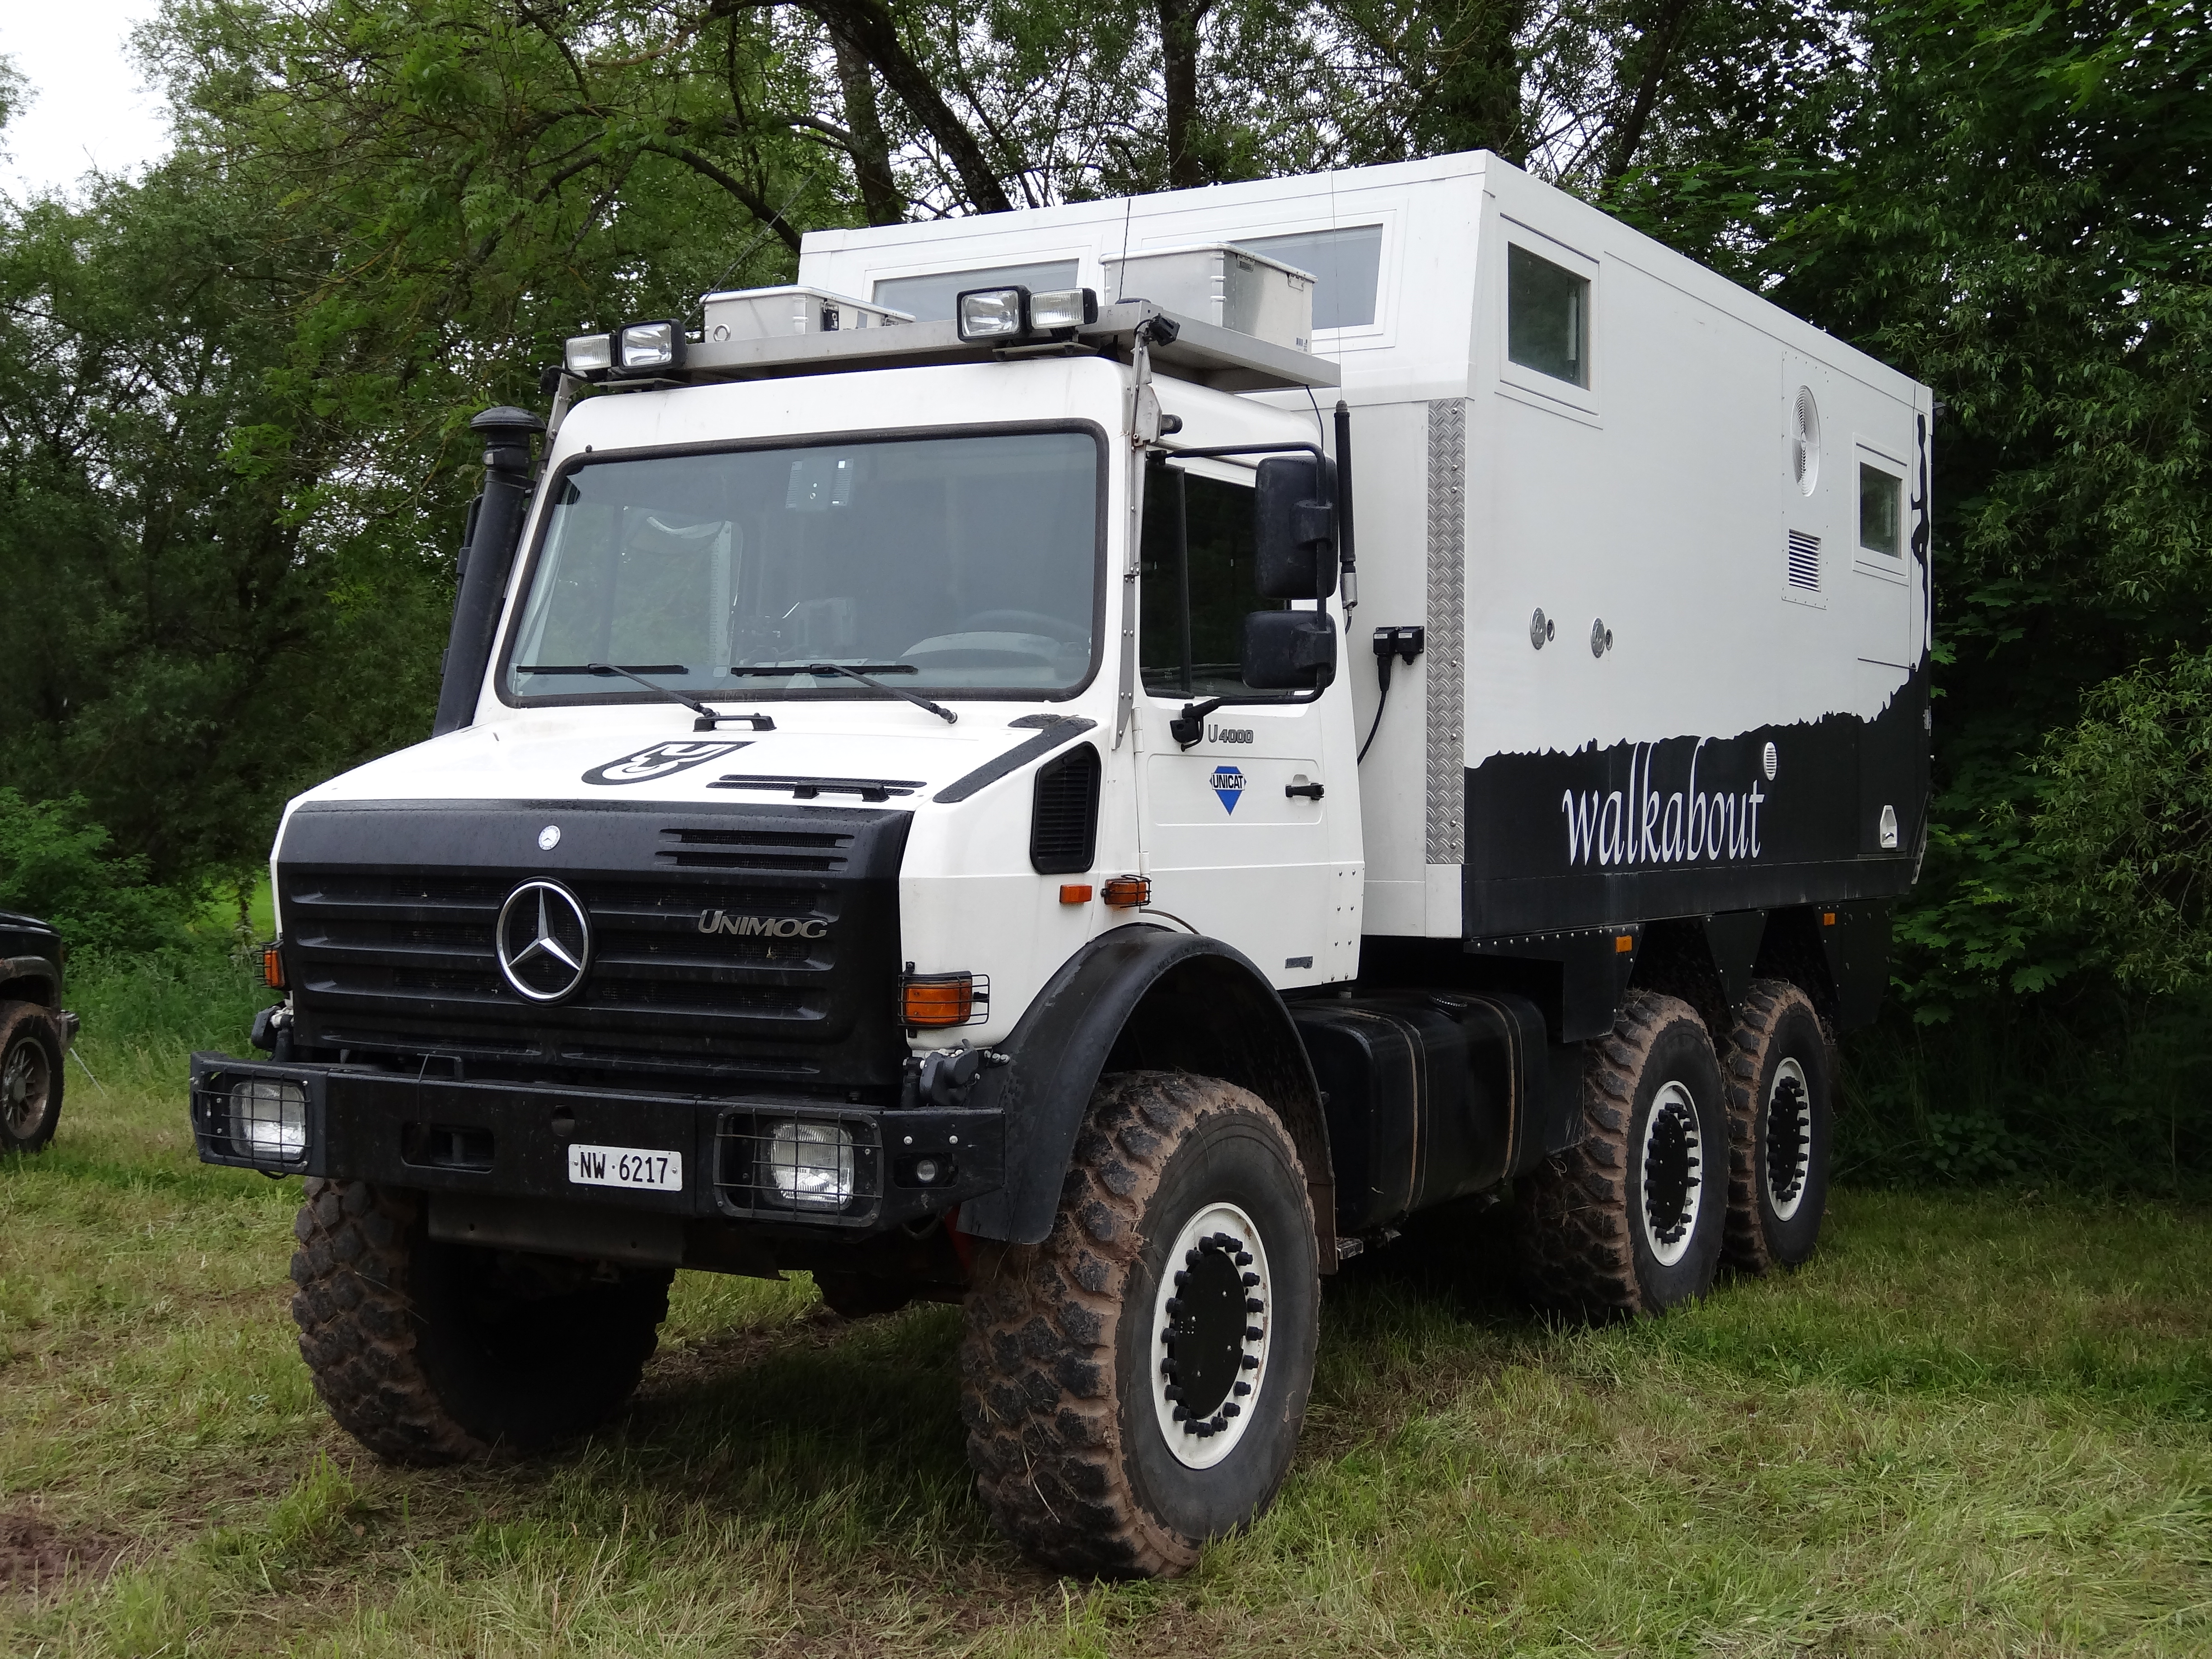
[746, 943]
[1064, 825]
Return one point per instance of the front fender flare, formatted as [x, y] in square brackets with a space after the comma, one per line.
[1142, 996]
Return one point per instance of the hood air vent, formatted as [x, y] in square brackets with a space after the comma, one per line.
[1064, 826]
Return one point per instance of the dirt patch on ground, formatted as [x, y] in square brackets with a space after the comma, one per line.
[36, 1555]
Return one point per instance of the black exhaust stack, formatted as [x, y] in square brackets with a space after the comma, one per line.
[486, 556]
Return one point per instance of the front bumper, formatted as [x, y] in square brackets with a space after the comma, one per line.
[510, 1141]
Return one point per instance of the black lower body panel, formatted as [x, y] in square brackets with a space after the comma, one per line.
[480, 1149]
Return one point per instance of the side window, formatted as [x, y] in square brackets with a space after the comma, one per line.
[1196, 585]
[929, 299]
[1546, 317]
[1880, 494]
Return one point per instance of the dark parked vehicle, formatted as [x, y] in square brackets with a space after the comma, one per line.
[34, 1032]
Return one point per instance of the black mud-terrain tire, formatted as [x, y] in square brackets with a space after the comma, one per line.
[1071, 1458]
[1779, 1069]
[1581, 1214]
[432, 1353]
[30, 1076]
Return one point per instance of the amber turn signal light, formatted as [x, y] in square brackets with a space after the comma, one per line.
[272, 968]
[1128, 892]
[1623, 943]
[937, 1000]
[1074, 892]
[1827, 918]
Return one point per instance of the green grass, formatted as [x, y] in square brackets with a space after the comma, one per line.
[1979, 1424]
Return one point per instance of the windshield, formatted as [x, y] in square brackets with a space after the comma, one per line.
[962, 564]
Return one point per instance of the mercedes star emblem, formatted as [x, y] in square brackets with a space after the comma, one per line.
[545, 940]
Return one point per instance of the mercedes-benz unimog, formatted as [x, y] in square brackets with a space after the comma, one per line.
[1088, 763]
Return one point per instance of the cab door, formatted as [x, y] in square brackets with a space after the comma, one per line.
[1246, 821]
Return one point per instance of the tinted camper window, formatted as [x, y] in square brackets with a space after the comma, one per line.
[1345, 264]
[1878, 504]
[1546, 317]
[929, 299]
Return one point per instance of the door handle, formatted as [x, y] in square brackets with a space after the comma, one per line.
[1310, 791]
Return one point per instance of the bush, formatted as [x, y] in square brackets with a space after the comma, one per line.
[58, 865]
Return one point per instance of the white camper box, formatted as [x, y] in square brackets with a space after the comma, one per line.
[1668, 506]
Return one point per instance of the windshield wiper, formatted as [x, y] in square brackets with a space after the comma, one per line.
[708, 718]
[820, 669]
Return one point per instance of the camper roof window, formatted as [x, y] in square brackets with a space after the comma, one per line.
[1546, 317]
[929, 299]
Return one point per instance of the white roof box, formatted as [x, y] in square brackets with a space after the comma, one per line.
[1229, 286]
[780, 314]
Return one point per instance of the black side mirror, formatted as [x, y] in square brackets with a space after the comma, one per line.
[1293, 529]
[1289, 650]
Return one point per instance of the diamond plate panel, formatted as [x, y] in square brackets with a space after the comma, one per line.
[1447, 635]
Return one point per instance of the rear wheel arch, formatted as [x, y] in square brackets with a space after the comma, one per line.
[1143, 998]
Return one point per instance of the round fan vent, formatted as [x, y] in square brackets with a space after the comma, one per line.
[1805, 439]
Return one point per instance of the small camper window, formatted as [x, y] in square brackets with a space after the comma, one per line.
[1879, 496]
[1546, 317]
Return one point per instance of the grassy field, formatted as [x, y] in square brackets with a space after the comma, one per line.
[1976, 1425]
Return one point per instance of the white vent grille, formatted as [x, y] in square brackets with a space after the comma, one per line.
[1804, 561]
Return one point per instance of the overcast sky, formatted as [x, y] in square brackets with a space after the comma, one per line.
[86, 107]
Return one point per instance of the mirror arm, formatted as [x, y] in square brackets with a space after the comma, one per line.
[1188, 727]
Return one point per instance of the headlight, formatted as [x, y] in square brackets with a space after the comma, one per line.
[1066, 307]
[268, 1120]
[587, 355]
[652, 345]
[993, 313]
[811, 1165]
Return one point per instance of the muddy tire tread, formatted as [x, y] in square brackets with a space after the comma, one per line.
[356, 1326]
[1037, 1363]
[1573, 1216]
[1742, 1059]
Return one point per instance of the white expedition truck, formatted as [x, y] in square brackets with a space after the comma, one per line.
[924, 794]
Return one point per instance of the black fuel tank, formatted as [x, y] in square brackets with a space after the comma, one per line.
[1432, 1095]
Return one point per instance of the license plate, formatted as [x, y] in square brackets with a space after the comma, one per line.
[626, 1166]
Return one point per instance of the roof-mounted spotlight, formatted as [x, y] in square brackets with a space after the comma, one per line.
[655, 348]
[993, 313]
[589, 356]
[1014, 314]
[1063, 308]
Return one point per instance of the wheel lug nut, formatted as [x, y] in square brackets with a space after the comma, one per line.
[1240, 1389]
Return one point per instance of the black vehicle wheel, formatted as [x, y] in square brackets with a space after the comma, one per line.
[30, 1076]
[432, 1353]
[1631, 1219]
[1779, 1086]
[1135, 1385]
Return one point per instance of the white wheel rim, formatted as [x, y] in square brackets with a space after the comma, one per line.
[1786, 1154]
[1670, 1173]
[1192, 1344]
